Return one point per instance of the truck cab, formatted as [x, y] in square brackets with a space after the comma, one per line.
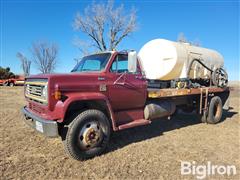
[111, 84]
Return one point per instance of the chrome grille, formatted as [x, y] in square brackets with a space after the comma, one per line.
[36, 90]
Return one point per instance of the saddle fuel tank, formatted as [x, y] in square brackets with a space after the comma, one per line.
[166, 60]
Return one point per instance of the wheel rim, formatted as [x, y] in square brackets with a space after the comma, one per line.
[90, 135]
[220, 77]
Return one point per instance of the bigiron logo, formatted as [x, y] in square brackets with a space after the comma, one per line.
[201, 171]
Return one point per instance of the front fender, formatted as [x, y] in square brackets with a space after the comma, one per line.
[87, 96]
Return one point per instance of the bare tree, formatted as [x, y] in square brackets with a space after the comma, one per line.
[182, 38]
[106, 25]
[25, 63]
[44, 56]
[83, 46]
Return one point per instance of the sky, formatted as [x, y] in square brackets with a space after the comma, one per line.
[214, 23]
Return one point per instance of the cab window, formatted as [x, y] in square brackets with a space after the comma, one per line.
[120, 64]
[92, 65]
[95, 62]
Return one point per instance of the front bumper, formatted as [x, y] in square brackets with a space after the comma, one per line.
[46, 127]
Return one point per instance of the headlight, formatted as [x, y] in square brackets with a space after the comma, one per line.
[27, 89]
[45, 92]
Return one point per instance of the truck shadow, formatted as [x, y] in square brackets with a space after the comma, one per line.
[156, 128]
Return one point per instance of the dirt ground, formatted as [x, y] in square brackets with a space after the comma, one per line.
[148, 152]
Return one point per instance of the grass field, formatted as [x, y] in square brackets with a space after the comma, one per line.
[149, 152]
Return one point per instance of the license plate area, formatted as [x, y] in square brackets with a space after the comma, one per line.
[39, 126]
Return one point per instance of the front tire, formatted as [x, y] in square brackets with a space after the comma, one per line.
[88, 135]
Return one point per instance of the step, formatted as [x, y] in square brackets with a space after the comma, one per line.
[135, 123]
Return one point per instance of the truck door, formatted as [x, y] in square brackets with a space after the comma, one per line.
[126, 90]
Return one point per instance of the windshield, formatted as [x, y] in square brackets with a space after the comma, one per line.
[96, 62]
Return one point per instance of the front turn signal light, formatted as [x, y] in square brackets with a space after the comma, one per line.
[57, 95]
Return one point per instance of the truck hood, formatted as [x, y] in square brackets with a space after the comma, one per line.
[63, 75]
[70, 81]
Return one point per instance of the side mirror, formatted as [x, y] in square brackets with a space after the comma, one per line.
[132, 62]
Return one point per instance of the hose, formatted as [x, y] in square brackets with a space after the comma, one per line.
[197, 60]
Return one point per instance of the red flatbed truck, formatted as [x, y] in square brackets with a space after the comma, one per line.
[108, 92]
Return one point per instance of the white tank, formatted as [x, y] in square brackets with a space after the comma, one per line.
[166, 60]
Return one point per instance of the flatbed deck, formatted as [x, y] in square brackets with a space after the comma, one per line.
[171, 92]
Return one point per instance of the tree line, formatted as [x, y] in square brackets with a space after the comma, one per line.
[5, 73]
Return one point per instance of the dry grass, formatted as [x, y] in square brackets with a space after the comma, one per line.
[148, 152]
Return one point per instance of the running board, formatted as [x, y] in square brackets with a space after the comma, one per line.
[134, 123]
